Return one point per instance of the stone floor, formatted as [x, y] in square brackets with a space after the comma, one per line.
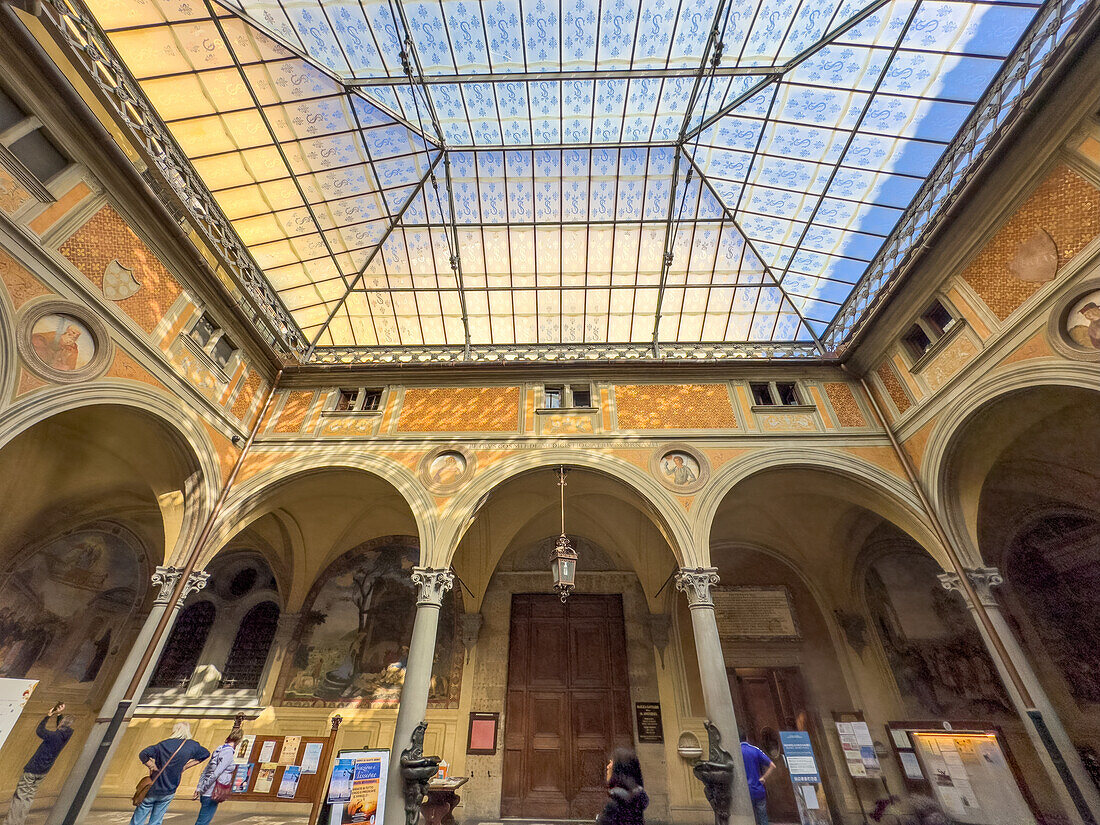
[223, 817]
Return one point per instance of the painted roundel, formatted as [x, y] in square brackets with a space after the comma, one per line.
[680, 467]
[445, 469]
[63, 342]
[1074, 327]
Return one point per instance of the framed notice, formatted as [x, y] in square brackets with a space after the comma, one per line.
[482, 738]
[755, 613]
[366, 796]
[647, 718]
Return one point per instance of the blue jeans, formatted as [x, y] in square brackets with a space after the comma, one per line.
[760, 810]
[206, 811]
[151, 811]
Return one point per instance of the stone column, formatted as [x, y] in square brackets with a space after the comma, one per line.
[165, 578]
[431, 585]
[696, 584]
[1071, 781]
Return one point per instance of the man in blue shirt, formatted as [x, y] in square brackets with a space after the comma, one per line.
[35, 770]
[758, 767]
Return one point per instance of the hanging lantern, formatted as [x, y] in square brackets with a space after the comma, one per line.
[563, 559]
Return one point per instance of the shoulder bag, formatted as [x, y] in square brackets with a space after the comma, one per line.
[146, 782]
[223, 790]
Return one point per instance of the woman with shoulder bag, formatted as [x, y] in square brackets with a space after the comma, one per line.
[166, 761]
[216, 782]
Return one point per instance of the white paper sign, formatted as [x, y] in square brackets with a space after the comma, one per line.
[14, 694]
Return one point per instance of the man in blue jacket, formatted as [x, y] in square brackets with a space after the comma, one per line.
[35, 770]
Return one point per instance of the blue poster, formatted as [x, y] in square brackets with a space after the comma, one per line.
[799, 754]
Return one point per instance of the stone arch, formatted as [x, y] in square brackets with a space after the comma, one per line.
[895, 499]
[665, 512]
[182, 426]
[259, 497]
[955, 425]
[9, 360]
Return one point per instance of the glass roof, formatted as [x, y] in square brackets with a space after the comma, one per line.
[495, 173]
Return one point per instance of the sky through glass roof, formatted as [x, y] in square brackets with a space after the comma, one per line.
[455, 173]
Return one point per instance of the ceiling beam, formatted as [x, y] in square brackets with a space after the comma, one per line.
[374, 252]
[789, 66]
[559, 76]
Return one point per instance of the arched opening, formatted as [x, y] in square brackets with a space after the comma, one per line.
[1022, 484]
[245, 663]
[797, 641]
[566, 675]
[94, 499]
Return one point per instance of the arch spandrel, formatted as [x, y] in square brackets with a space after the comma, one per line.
[665, 512]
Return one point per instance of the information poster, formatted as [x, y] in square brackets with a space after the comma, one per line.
[267, 750]
[14, 694]
[367, 796]
[859, 749]
[288, 787]
[799, 755]
[289, 754]
[311, 756]
[244, 748]
[265, 778]
[809, 793]
[241, 777]
[339, 786]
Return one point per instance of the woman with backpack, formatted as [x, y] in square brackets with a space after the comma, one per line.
[216, 783]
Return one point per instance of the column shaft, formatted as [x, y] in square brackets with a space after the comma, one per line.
[418, 677]
[84, 770]
[715, 681]
[1088, 797]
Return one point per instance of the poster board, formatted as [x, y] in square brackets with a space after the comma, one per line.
[271, 759]
[805, 776]
[14, 694]
[359, 792]
[966, 767]
[858, 746]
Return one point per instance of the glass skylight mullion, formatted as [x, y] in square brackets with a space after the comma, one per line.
[855, 129]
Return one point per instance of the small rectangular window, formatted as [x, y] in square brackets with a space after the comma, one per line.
[345, 400]
[939, 318]
[582, 395]
[761, 394]
[39, 155]
[918, 341]
[788, 394]
[10, 113]
[372, 399]
[223, 352]
[552, 398]
[203, 330]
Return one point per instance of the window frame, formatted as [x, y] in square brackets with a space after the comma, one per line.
[932, 330]
[772, 387]
[358, 406]
[565, 391]
[208, 349]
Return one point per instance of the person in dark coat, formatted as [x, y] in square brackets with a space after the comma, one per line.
[627, 799]
[35, 770]
[167, 759]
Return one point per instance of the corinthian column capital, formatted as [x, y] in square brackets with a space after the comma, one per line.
[983, 580]
[695, 583]
[165, 577]
[432, 584]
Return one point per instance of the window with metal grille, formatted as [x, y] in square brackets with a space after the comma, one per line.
[245, 664]
[181, 652]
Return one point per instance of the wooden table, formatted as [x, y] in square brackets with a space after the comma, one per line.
[441, 801]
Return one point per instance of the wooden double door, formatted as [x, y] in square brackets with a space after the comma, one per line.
[568, 705]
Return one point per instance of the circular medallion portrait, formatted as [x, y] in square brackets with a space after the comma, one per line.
[445, 469]
[680, 467]
[1074, 327]
[63, 343]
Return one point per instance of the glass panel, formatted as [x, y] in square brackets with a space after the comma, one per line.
[203, 330]
[224, 351]
[39, 155]
[761, 394]
[938, 316]
[372, 399]
[552, 398]
[788, 394]
[184, 646]
[10, 113]
[245, 664]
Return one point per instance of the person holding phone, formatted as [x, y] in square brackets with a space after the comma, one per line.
[53, 741]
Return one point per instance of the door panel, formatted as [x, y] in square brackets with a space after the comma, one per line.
[568, 704]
